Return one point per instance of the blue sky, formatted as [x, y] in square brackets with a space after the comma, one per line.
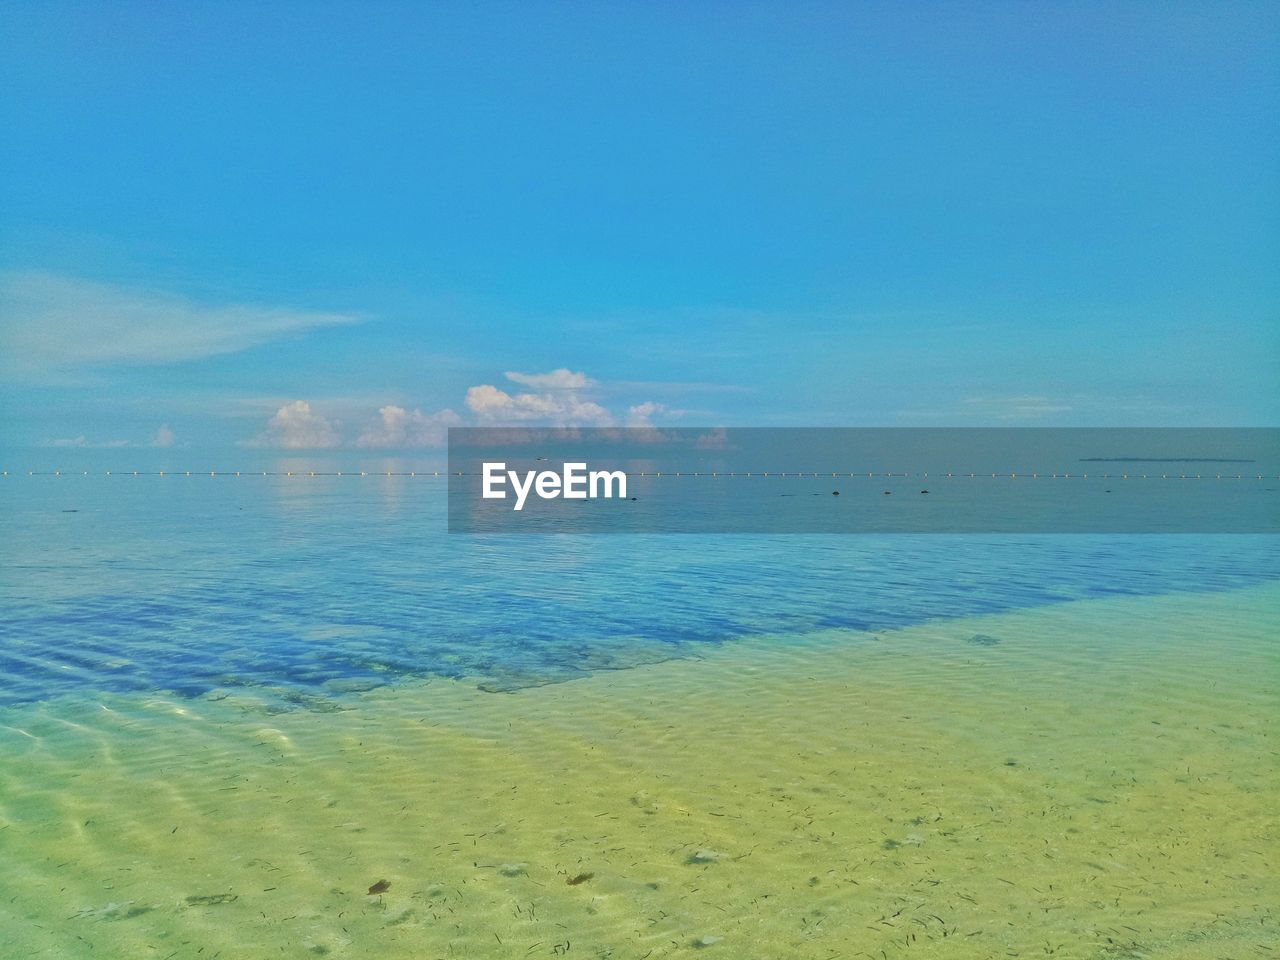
[349, 225]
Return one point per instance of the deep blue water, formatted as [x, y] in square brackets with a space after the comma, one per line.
[316, 584]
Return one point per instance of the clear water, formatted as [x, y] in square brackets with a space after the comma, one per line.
[301, 584]
[252, 718]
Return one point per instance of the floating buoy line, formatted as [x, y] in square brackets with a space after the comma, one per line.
[719, 475]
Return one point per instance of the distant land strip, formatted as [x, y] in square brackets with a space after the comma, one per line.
[1162, 460]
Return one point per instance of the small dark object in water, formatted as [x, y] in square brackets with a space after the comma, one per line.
[635, 498]
[888, 493]
[982, 640]
[382, 886]
[580, 878]
[835, 493]
[212, 898]
[70, 511]
[704, 856]
[891, 844]
[924, 491]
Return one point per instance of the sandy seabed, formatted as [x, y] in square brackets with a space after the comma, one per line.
[1093, 779]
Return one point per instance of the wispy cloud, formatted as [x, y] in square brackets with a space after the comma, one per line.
[163, 437]
[80, 441]
[50, 322]
[677, 387]
[561, 379]
[1079, 409]
[1024, 407]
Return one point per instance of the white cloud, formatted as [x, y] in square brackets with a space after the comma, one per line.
[561, 379]
[396, 428]
[678, 387]
[1092, 409]
[164, 437]
[642, 414]
[83, 441]
[1024, 407]
[559, 398]
[558, 402]
[296, 427]
[50, 322]
[560, 406]
[561, 401]
[717, 439]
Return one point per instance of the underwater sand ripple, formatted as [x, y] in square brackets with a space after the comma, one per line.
[1099, 783]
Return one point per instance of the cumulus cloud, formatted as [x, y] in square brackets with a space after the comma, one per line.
[50, 322]
[558, 399]
[558, 402]
[164, 437]
[396, 428]
[642, 414]
[296, 426]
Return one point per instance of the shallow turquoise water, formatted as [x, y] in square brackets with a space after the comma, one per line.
[294, 584]
[225, 732]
